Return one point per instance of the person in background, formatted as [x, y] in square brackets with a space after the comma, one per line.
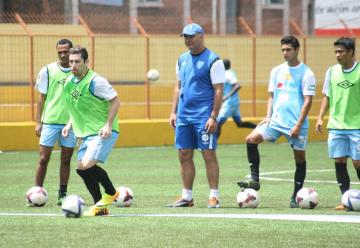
[52, 116]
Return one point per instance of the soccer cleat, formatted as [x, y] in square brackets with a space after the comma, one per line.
[61, 198]
[340, 207]
[249, 184]
[293, 203]
[213, 202]
[107, 200]
[96, 211]
[180, 202]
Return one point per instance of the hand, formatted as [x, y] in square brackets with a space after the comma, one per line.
[172, 120]
[295, 131]
[319, 126]
[65, 131]
[105, 131]
[211, 125]
[38, 129]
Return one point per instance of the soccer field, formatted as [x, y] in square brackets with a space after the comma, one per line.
[153, 175]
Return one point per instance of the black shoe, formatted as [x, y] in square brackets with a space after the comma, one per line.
[61, 198]
[181, 203]
[252, 184]
[293, 203]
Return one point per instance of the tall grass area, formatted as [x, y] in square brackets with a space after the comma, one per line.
[153, 175]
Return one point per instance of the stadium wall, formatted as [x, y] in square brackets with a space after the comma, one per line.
[133, 133]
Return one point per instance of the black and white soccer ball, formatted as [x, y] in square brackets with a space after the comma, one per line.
[73, 206]
[36, 196]
[248, 198]
[351, 199]
[125, 198]
[307, 198]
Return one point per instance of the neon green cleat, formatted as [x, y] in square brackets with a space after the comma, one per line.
[107, 200]
[96, 211]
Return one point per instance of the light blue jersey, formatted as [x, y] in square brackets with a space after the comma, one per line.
[289, 86]
[231, 79]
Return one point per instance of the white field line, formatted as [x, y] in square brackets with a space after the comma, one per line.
[289, 217]
[264, 177]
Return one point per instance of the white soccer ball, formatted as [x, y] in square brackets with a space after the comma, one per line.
[351, 199]
[307, 198]
[153, 75]
[248, 198]
[125, 197]
[73, 206]
[36, 196]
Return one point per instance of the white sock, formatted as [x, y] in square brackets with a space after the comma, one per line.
[214, 193]
[186, 194]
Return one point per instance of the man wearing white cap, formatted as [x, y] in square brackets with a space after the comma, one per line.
[196, 102]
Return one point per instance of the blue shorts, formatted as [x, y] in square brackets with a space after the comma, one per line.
[192, 135]
[229, 111]
[50, 134]
[96, 148]
[345, 144]
[272, 133]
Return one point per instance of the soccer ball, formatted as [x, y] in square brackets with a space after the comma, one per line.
[153, 75]
[307, 198]
[351, 199]
[248, 198]
[73, 206]
[125, 197]
[36, 196]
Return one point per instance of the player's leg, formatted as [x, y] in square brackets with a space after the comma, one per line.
[338, 148]
[355, 151]
[220, 122]
[212, 172]
[49, 136]
[44, 158]
[239, 123]
[185, 142]
[67, 149]
[299, 175]
[299, 146]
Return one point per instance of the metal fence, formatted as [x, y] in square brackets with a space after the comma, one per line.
[25, 47]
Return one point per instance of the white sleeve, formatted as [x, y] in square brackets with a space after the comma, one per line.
[325, 89]
[230, 77]
[217, 72]
[272, 80]
[177, 71]
[103, 89]
[309, 83]
[42, 81]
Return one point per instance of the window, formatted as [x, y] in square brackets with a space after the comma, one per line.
[269, 2]
[150, 3]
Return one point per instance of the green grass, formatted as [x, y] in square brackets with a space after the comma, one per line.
[153, 174]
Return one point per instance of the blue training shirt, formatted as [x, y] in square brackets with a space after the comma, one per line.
[196, 96]
[290, 85]
[231, 80]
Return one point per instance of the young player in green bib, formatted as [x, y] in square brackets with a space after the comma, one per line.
[342, 97]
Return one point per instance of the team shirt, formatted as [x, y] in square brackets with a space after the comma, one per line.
[230, 81]
[88, 102]
[50, 82]
[196, 75]
[289, 86]
[342, 87]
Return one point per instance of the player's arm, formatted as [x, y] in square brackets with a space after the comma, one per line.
[235, 88]
[269, 109]
[106, 131]
[324, 102]
[172, 118]
[323, 109]
[41, 85]
[295, 131]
